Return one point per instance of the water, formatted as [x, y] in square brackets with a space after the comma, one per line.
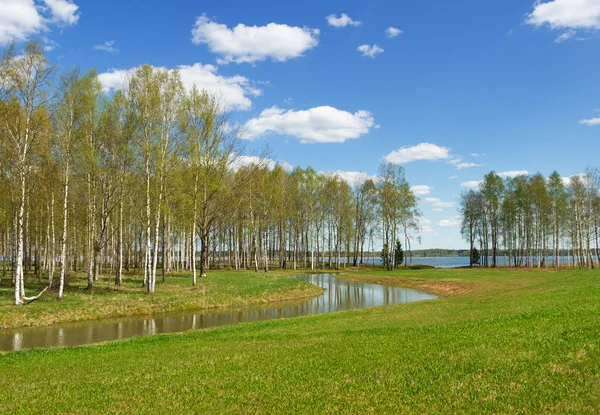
[339, 295]
[459, 261]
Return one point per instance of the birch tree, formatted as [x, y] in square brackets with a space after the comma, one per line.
[26, 85]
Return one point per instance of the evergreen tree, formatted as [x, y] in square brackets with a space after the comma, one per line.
[399, 253]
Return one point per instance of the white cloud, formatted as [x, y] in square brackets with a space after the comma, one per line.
[465, 165]
[423, 151]
[233, 91]
[437, 210]
[316, 125]
[114, 79]
[425, 226]
[428, 229]
[250, 44]
[477, 154]
[21, 19]
[242, 161]
[342, 21]
[513, 173]
[441, 205]
[370, 51]
[563, 14]
[108, 46]
[421, 190]
[471, 184]
[63, 12]
[567, 180]
[438, 204]
[453, 222]
[392, 32]
[49, 44]
[565, 36]
[430, 152]
[18, 20]
[590, 122]
[351, 177]
[453, 177]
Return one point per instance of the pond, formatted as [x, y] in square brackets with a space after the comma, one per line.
[339, 295]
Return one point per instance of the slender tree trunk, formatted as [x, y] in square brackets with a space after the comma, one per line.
[19, 258]
[194, 219]
[63, 249]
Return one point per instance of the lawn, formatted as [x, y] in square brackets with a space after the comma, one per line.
[497, 341]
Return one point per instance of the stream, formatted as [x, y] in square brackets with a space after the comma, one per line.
[339, 295]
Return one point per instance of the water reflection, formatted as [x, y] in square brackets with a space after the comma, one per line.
[339, 295]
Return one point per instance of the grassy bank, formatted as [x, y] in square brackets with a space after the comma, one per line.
[221, 289]
[503, 342]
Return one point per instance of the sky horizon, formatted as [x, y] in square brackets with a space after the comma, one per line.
[447, 90]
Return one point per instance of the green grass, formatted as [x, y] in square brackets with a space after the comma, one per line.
[504, 342]
[221, 289]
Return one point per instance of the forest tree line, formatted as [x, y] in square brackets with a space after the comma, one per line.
[530, 218]
[155, 177]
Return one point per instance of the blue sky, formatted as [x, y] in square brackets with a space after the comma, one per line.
[464, 87]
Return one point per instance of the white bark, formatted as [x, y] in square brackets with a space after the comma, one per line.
[63, 249]
[52, 242]
[19, 259]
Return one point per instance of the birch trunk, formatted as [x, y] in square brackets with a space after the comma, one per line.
[63, 249]
[194, 219]
[19, 258]
[52, 244]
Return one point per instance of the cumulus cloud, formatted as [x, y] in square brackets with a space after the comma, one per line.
[342, 21]
[21, 19]
[425, 226]
[421, 190]
[241, 161]
[428, 152]
[513, 173]
[461, 165]
[590, 122]
[566, 14]
[392, 32]
[441, 205]
[250, 44]
[438, 204]
[453, 222]
[582, 176]
[471, 184]
[115, 79]
[108, 46]
[423, 151]
[353, 178]
[234, 90]
[370, 51]
[432, 200]
[316, 125]
[63, 12]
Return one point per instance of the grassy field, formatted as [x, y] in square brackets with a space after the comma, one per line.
[498, 341]
[222, 289]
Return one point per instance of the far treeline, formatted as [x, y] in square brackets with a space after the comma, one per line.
[143, 178]
[534, 221]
